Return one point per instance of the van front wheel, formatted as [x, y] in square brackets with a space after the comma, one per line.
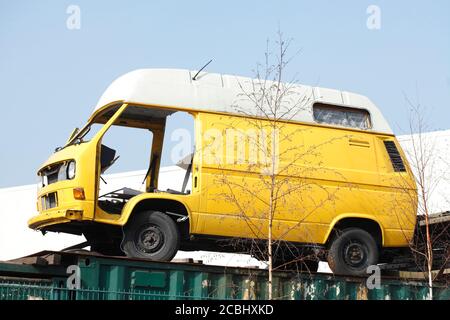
[151, 235]
[352, 252]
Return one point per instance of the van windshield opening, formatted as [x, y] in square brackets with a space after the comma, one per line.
[145, 138]
[92, 127]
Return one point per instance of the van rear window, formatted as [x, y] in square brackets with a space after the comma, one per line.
[341, 116]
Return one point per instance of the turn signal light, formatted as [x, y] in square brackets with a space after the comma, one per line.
[78, 193]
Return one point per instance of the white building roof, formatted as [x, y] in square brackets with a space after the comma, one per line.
[436, 153]
[219, 93]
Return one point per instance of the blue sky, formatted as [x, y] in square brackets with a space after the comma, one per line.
[51, 77]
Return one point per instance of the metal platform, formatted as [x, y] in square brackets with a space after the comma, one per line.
[45, 275]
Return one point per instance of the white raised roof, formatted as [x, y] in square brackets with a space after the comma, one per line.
[220, 93]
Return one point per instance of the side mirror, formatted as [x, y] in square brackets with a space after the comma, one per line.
[73, 134]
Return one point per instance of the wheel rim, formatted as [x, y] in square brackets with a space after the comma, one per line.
[149, 239]
[355, 254]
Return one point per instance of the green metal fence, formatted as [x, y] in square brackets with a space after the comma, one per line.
[43, 291]
[48, 291]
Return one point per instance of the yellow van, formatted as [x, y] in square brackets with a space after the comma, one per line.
[349, 193]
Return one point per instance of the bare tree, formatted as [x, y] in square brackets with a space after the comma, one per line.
[280, 165]
[430, 245]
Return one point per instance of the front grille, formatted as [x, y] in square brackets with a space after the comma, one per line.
[49, 201]
[51, 174]
[394, 155]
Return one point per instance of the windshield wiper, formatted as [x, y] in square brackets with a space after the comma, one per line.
[78, 138]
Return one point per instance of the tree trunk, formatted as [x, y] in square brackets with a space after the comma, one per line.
[269, 250]
[429, 255]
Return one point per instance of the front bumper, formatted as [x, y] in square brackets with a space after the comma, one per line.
[66, 208]
[54, 217]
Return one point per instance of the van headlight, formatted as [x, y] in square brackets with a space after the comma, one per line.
[71, 170]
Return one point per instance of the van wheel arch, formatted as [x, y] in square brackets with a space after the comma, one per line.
[151, 235]
[171, 208]
[353, 245]
[368, 225]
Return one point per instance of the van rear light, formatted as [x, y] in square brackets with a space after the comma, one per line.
[394, 155]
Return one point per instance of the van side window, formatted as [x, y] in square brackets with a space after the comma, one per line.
[342, 116]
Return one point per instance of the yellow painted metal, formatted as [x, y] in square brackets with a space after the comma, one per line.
[340, 173]
[336, 179]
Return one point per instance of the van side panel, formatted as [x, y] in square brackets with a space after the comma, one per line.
[323, 173]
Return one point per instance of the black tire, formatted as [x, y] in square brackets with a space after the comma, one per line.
[352, 252]
[151, 235]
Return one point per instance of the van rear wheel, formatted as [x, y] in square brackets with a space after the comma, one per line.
[352, 252]
[151, 235]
